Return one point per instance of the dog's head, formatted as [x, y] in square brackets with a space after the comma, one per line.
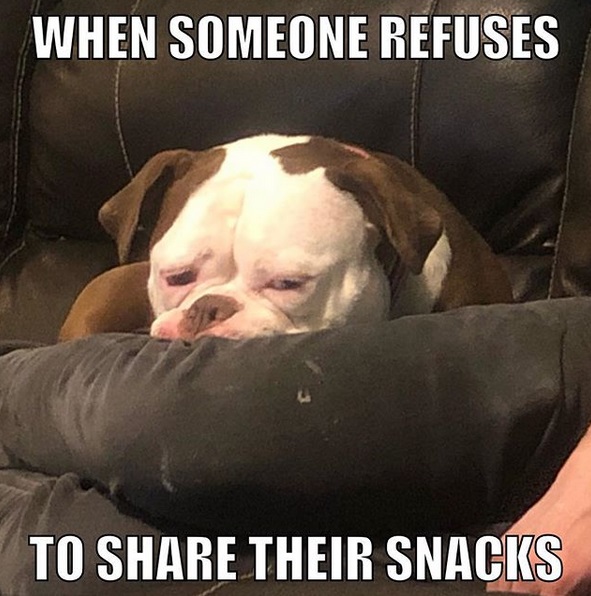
[272, 234]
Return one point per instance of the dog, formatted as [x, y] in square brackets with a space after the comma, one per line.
[277, 234]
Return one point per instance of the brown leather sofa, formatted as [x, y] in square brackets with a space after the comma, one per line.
[508, 141]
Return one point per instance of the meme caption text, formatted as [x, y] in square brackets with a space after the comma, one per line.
[300, 37]
[297, 558]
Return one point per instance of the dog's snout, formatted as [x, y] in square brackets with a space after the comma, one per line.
[207, 312]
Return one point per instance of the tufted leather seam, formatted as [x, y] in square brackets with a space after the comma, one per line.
[569, 153]
[117, 84]
[16, 125]
[415, 97]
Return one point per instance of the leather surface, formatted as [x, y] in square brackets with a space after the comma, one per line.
[572, 267]
[41, 281]
[498, 137]
[13, 21]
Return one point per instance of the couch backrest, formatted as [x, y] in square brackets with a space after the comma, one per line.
[14, 16]
[507, 140]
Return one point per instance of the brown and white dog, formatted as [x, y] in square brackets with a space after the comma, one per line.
[281, 234]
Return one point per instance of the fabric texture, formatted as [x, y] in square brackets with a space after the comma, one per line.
[426, 423]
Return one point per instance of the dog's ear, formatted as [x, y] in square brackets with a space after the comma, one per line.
[394, 198]
[140, 213]
[130, 215]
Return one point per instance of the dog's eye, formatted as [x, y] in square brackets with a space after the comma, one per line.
[182, 278]
[286, 284]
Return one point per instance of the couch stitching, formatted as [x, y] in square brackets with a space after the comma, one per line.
[118, 125]
[565, 195]
[415, 97]
[17, 105]
[9, 256]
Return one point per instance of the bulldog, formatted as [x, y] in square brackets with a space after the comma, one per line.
[281, 234]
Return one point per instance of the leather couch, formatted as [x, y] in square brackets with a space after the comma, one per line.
[507, 141]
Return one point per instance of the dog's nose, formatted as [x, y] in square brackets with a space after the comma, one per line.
[207, 312]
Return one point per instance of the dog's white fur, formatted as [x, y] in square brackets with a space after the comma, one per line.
[253, 233]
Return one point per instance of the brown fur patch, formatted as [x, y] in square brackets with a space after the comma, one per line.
[476, 275]
[318, 152]
[204, 166]
[116, 300]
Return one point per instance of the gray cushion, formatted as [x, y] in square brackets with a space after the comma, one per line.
[425, 423]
